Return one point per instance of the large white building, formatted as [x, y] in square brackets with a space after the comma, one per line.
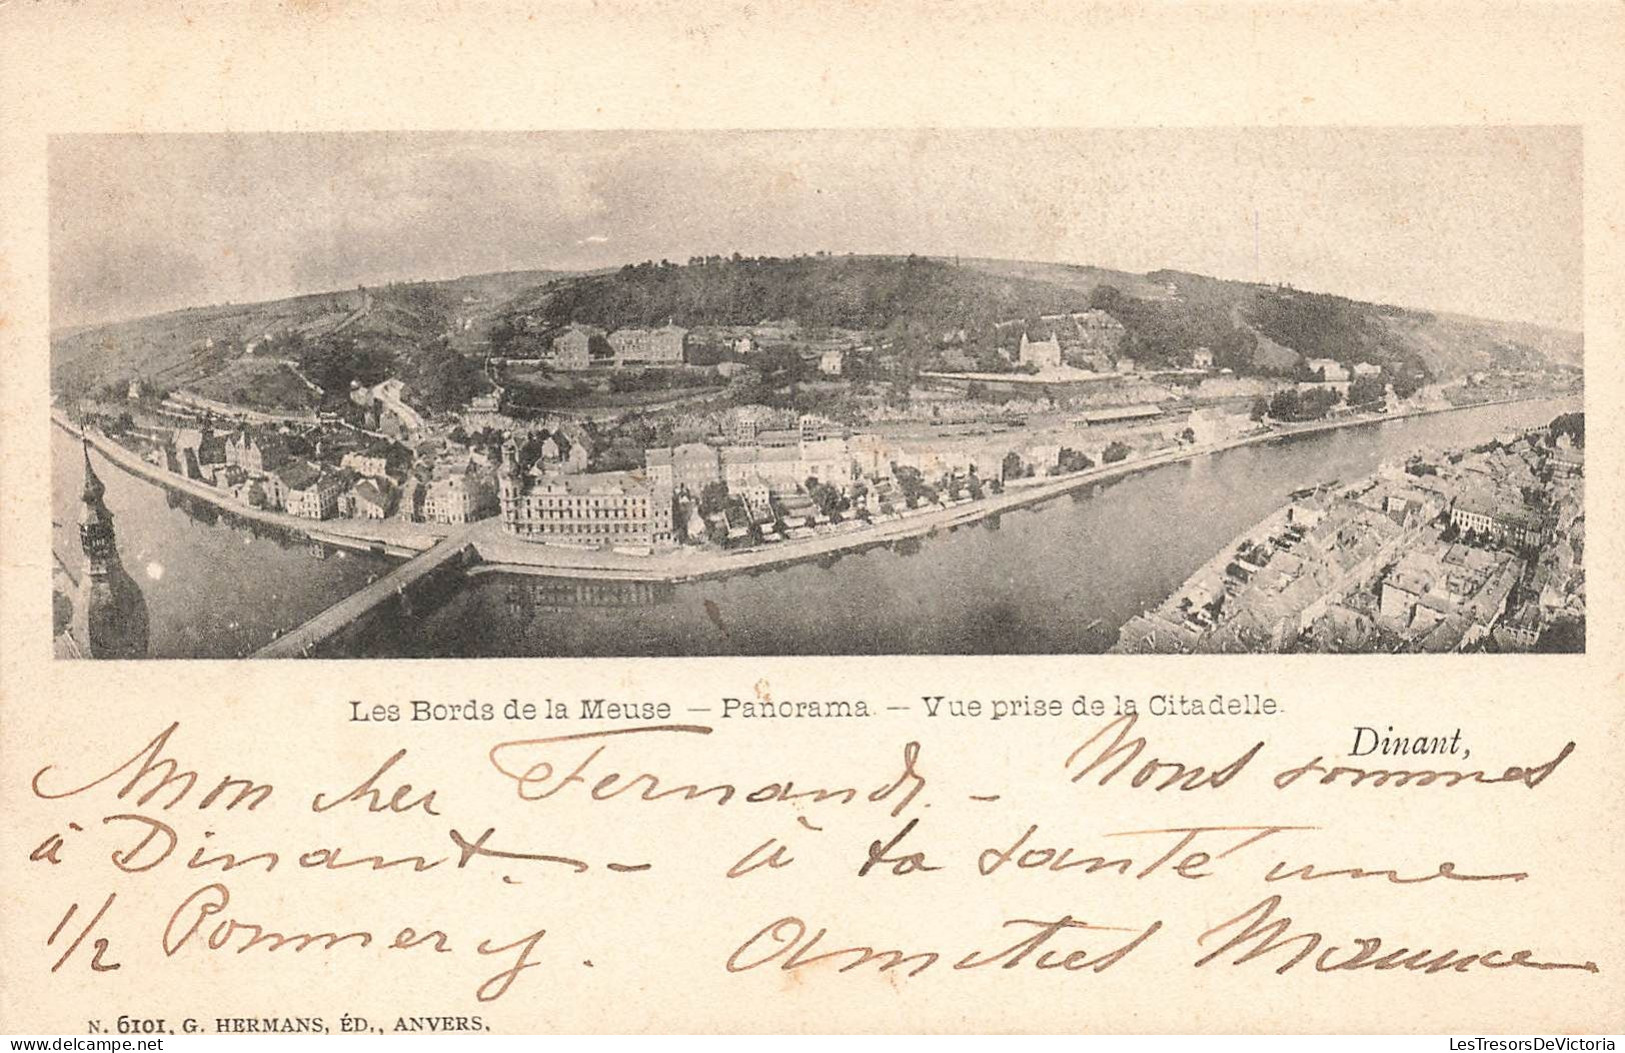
[612, 509]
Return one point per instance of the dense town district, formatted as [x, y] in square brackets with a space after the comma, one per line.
[1451, 551]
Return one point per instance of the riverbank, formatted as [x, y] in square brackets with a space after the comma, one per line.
[502, 553]
[506, 554]
[386, 536]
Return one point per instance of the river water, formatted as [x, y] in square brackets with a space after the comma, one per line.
[215, 587]
[1058, 578]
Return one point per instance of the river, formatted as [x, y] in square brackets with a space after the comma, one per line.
[1058, 578]
[216, 587]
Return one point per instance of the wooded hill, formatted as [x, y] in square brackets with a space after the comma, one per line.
[917, 302]
[433, 334]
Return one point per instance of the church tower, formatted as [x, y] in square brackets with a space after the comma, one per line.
[510, 485]
[110, 616]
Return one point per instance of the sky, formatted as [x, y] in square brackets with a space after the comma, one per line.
[1483, 221]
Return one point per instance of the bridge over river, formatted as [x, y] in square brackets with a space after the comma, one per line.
[302, 640]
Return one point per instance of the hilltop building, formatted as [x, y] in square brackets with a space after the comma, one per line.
[573, 348]
[1329, 368]
[661, 347]
[1045, 354]
[743, 424]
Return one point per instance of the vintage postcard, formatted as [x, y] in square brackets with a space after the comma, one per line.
[1054, 541]
[805, 452]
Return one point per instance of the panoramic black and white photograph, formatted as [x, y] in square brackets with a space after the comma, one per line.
[845, 392]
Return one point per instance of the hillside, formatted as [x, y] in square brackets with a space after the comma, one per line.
[433, 334]
[918, 301]
[412, 330]
[1321, 325]
[848, 292]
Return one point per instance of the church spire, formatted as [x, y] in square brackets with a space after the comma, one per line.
[110, 614]
[94, 489]
[95, 521]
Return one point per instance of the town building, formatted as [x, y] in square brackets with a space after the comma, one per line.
[1329, 369]
[758, 498]
[409, 503]
[742, 424]
[459, 493]
[869, 453]
[813, 428]
[1498, 515]
[573, 348]
[1045, 354]
[695, 525]
[255, 453]
[1126, 365]
[689, 467]
[308, 492]
[776, 465]
[374, 461]
[228, 476]
[1201, 358]
[559, 453]
[661, 347]
[1567, 458]
[831, 362]
[1418, 557]
[1117, 415]
[614, 509]
[827, 460]
[778, 437]
[370, 499]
